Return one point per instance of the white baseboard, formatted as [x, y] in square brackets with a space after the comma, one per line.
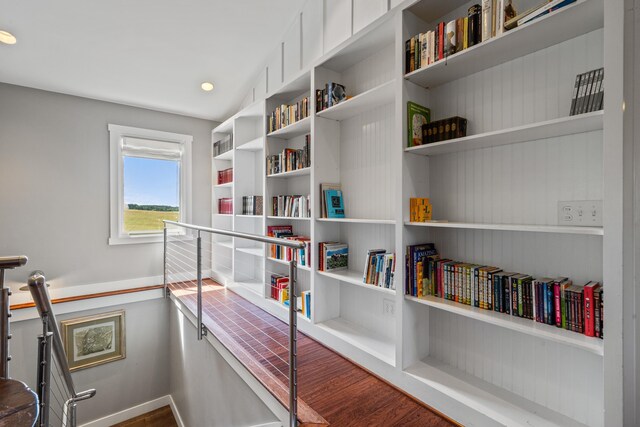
[136, 411]
[273, 424]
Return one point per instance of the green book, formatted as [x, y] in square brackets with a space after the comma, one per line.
[417, 115]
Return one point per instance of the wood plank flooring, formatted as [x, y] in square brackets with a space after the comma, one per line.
[161, 417]
[332, 389]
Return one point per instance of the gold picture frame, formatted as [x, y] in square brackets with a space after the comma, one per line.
[94, 340]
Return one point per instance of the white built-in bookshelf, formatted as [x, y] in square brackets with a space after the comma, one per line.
[495, 197]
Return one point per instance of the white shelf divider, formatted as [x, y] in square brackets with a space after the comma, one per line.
[257, 252]
[353, 277]
[288, 218]
[298, 128]
[358, 220]
[248, 216]
[253, 145]
[283, 262]
[379, 95]
[297, 172]
[525, 326]
[227, 155]
[548, 129]
[225, 185]
[571, 21]
[224, 244]
[560, 229]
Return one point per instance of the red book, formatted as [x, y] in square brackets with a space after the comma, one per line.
[441, 40]
[589, 313]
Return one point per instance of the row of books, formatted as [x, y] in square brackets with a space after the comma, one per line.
[285, 115]
[225, 206]
[420, 209]
[332, 94]
[551, 301]
[588, 92]
[445, 129]
[223, 145]
[292, 206]
[252, 205]
[333, 256]
[290, 159]
[280, 292]
[331, 201]
[303, 256]
[482, 23]
[379, 268]
[225, 176]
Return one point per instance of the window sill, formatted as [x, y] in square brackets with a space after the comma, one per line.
[154, 238]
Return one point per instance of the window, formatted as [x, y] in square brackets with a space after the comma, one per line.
[150, 182]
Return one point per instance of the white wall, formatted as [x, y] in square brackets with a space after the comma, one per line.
[140, 377]
[205, 389]
[54, 197]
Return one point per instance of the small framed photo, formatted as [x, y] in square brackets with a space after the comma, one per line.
[94, 340]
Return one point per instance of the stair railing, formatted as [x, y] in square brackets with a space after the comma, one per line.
[293, 318]
[51, 356]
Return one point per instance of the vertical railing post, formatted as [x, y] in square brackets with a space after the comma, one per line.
[5, 333]
[44, 372]
[199, 273]
[293, 329]
[164, 262]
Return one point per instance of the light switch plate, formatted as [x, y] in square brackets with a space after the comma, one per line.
[585, 213]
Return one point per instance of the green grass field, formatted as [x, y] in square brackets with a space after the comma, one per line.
[135, 220]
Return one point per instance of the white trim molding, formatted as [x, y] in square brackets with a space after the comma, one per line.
[136, 411]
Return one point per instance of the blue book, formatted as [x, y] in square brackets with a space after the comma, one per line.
[335, 204]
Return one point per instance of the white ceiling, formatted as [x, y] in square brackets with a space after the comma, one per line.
[147, 53]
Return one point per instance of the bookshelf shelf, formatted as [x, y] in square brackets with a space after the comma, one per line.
[255, 286]
[225, 185]
[224, 244]
[279, 261]
[353, 277]
[525, 326]
[257, 252]
[379, 95]
[223, 215]
[288, 218]
[547, 129]
[359, 220]
[297, 172]
[365, 339]
[560, 229]
[571, 21]
[256, 144]
[248, 216]
[227, 155]
[298, 128]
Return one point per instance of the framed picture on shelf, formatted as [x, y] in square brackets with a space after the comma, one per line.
[94, 340]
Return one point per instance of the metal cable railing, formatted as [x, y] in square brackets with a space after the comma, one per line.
[184, 265]
[55, 388]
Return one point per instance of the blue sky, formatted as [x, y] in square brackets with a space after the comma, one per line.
[151, 181]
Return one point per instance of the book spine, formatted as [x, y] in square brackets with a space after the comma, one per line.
[486, 19]
[557, 307]
[588, 312]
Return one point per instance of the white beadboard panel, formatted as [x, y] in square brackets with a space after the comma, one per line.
[337, 23]
[578, 257]
[260, 89]
[367, 11]
[312, 27]
[369, 73]
[367, 177]
[274, 70]
[564, 379]
[291, 59]
[364, 308]
[519, 183]
[532, 88]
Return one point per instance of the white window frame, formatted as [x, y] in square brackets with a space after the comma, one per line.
[117, 134]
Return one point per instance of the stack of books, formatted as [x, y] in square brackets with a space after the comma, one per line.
[379, 268]
[290, 159]
[333, 256]
[286, 254]
[332, 94]
[279, 287]
[285, 115]
[553, 301]
[420, 209]
[445, 129]
[225, 176]
[331, 201]
[588, 92]
[223, 145]
[252, 205]
[225, 206]
[291, 206]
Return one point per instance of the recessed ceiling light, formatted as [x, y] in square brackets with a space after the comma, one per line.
[7, 38]
[207, 86]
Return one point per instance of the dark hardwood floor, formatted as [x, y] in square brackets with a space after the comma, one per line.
[332, 389]
[161, 417]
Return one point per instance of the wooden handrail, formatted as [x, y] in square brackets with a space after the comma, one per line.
[90, 296]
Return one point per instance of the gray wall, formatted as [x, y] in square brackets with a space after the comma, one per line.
[140, 377]
[206, 390]
[54, 197]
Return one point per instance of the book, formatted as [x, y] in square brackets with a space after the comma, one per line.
[291, 206]
[589, 308]
[450, 41]
[474, 25]
[333, 256]
[544, 9]
[417, 116]
[420, 209]
[223, 145]
[323, 204]
[335, 203]
[486, 19]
